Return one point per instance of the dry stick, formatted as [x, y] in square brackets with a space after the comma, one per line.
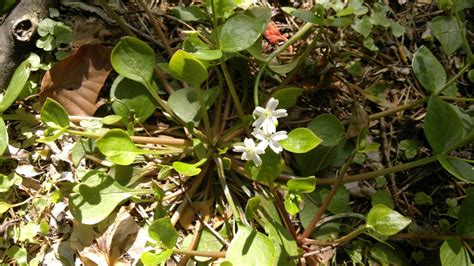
[161, 77]
[194, 242]
[339, 181]
[212, 254]
[194, 187]
[157, 27]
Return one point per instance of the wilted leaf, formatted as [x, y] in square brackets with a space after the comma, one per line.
[75, 81]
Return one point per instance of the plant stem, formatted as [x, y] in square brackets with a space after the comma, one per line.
[211, 254]
[230, 200]
[461, 27]
[117, 18]
[398, 109]
[339, 181]
[232, 90]
[297, 36]
[340, 241]
[381, 172]
[207, 123]
[455, 77]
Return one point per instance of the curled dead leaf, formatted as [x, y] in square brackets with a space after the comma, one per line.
[75, 82]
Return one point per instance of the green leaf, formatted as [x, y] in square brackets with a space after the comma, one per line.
[3, 136]
[284, 244]
[6, 5]
[96, 197]
[382, 197]
[443, 127]
[186, 169]
[222, 7]
[189, 13]
[251, 247]
[457, 167]
[388, 254]
[117, 145]
[292, 202]
[428, 70]
[4, 207]
[149, 258]
[328, 128]
[385, 221]
[465, 226]
[362, 26]
[252, 206]
[7, 181]
[207, 242]
[397, 29]
[54, 115]
[269, 170]
[301, 140]
[453, 253]
[421, 198]
[184, 66]
[134, 59]
[47, 43]
[17, 83]
[286, 68]
[308, 16]
[185, 104]
[470, 75]
[312, 201]
[19, 254]
[370, 44]
[446, 30]
[410, 148]
[62, 33]
[131, 97]
[287, 97]
[163, 232]
[239, 33]
[302, 184]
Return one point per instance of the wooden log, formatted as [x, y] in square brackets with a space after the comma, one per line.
[18, 35]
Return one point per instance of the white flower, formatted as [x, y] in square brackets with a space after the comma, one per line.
[251, 151]
[267, 118]
[270, 139]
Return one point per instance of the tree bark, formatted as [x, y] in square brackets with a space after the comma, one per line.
[18, 35]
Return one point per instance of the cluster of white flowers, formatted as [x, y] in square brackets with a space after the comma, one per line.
[264, 130]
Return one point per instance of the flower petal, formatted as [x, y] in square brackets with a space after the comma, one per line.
[256, 160]
[271, 104]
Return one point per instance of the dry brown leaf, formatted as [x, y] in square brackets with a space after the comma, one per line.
[88, 31]
[109, 247]
[75, 81]
[188, 217]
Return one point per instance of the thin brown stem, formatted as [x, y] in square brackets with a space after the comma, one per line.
[211, 254]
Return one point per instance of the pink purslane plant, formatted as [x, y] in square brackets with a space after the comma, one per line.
[264, 132]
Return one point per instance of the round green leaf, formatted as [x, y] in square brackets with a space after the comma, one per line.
[186, 169]
[185, 104]
[328, 128]
[96, 197]
[252, 206]
[132, 97]
[239, 33]
[54, 115]
[470, 75]
[149, 258]
[184, 66]
[443, 127]
[382, 197]
[133, 59]
[163, 232]
[4, 207]
[385, 221]
[428, 70]
[453, 253]
[251, 247]
[117, 145]
[301, 140]
[271, 167]
[287, 97]
[457, 167]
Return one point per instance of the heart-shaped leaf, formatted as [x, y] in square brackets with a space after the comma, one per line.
[186, 169]
[184, 66]
[96, 197]
[302, 184]
[443, 127]
[134, 59]
[163, 232]
[300, 140]
[251, 247]
[54, 115]
[328, 128]
[385, 221]
[428, 70]
[287, 97]
[239, 33]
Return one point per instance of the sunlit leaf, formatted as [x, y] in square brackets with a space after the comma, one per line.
[453, 253]
[17, 83]
[300, 140]
[186, 67]
[251, 246]
[239, 33]
[54, 115]
[385, 221]
[446, 30]
[428, 70]
[117, 145]
[163, 232]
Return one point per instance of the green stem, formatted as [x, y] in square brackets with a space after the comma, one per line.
[207, 123]
[230, 200]
[377, 173]
[232, 90]
[351, 235]
[461, 27]
[117, 18]
[455, 77]
[297, 36]
[339, 181]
